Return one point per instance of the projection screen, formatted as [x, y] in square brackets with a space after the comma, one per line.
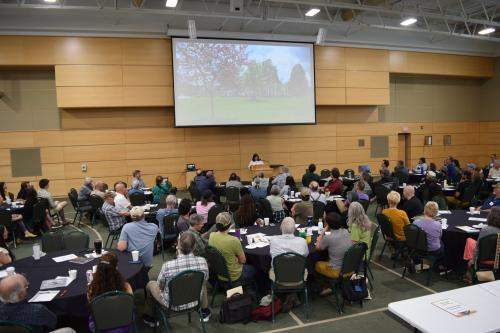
[237, 82]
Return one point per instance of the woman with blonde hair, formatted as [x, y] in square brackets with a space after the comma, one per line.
[397, 217]
[359, 225]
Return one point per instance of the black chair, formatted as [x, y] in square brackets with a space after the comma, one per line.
[212, 215]
[112, 310]
[96, 203]
[325, 173]
[43, 209]
[485, 260]
[389, 238]
[232, 198]
[349, 173]
[368, 258]
[184, 288]
[381, 193]
[416, 242]
[162, 203]
[52, 241]
[266, 210]
[76, 240]
[170, 232]
[365, 204]
[289, 269]
[137, 198]
[10, 327]
[79, 210]
[39, 218]
[193, 191]
[6, 221]
[112, 234]
[318, 211]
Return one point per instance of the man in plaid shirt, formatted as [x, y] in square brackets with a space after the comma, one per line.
[116, 219]
[186, 260]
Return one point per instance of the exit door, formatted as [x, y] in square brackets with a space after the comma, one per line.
[404, 148]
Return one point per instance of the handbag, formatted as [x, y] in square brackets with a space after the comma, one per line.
[355, 288]
[488, 276]
[237, 308]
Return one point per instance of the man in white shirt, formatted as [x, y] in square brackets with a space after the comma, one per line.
[121, 201]
[495, 170]
[315, 195]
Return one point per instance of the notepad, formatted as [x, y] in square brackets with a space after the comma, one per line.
[58, 282]
[65, 258]
[44, 296]
[444, 212]
[467, 228]
[478, 219]
[453, 307]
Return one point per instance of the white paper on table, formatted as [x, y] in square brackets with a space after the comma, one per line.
[3, 274]
[444, 212]
[261, 244]
[475, 212]
[242, 231]
[44, 296]
[492, 288]
[58, 282]
[478, 219]
[479, 226]
[153, 205]
[452, 307]
[65, 258]
[251, 246]
[444, 226]
[95, 255]
[466, 228]
[297, 225]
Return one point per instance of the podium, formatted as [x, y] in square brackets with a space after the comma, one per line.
[264, 168]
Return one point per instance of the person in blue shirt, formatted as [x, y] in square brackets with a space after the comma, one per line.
[421, 166]
[258, 192]
[493, 201]
[204, 181]
[451, 170]
[171, 208]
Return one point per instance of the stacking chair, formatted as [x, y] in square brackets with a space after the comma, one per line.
[137, 199]
[325, 173]
[112, 234]
[212, 215]
[43, 207]
[289, 269]
[368, 258]
[349, 173]
[76, 240]
[52, 241]
[112, 310]
[232, 198]
[6, 220]
[389, 238]
[79, 210]
[96, 203]
[485, 260]
[170, 232]
[381, 196]
[416, 242]
[318, 210]
[10, 327]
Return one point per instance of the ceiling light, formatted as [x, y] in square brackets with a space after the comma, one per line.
[320, 39]
[408, 21]
[312, 11]
[50, 1]
[171, 3]
[192, 29]
[486, 31]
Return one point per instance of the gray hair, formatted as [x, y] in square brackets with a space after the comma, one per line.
[356, 215]
[171, 200]
[87, 180]
[11, 293]
[275, 190]
[195, 219]
[288, 226]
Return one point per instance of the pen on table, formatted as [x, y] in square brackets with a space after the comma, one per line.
[64, 292]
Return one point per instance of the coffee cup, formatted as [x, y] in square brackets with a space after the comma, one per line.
[472, 210]
[135, 256]
[94, 268]
[37, 252]
[266, 220]
[72, 273]
[292, 193]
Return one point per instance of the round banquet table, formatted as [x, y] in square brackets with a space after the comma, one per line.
[74, 301]
[454, 239]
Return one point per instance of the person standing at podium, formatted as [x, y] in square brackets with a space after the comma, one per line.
[255, 161]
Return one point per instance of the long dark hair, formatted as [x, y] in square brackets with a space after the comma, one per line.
[291, 182]
[158, 180]
[107, 277]
[2, 190]
[206, 197]
[23, 190]
[31, 195]
[246, 211]
[255, 157]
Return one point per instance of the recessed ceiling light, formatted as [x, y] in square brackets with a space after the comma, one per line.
[313, 11]
[50, 1]
[486, 31]
[171, 3]
[408, 21]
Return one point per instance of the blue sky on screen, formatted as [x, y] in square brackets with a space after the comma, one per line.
[283, 57]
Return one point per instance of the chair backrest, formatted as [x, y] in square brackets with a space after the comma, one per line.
[325, 173]
[52, 241]
[112, 310]
[212, 215]
[374, 242]
[386, 227]
[381, 194]
[318, 210]
[76, 240]
[193, 191]
[349, 173]
[38, 214]
[6, 218]
[96, 202]
[486, 248]
[365, 204]
[73, 197]
[353, 258]
[416, 238]
[170, 224]
[137, 199]
[289, 268]
[185, 288]
[216, 262]
[232, 194]
[162, 203]
[10, 327]
[265, 209]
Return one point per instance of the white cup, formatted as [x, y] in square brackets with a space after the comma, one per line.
[292, 193]
[72, 273]
[249, 239]
[297, 195]
[11, 271]
[37, 252]
[404, 184]
[472, 210]
[266, 220]
[135, 256]
[94, 268]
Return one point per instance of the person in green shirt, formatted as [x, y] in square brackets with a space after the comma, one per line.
[360, 225]
[161, 188]
[231, 249]
[310, 175]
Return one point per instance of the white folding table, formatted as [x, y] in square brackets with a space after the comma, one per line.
[421, 314]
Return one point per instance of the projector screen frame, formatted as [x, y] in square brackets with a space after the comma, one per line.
[249, 40]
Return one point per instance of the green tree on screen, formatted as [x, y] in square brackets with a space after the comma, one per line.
[261, 80]
[298, 84]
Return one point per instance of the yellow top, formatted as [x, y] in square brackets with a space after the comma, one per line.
[398, 220]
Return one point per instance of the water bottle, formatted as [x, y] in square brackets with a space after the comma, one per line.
[320, 225]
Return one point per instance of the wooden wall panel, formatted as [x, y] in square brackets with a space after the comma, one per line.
[330, 78]
[88, 51]
[367, 96]
[147, 76]
[329, 57]
[367, 59]
[87, 97]
[144, 51]
[148, 96]
[367, 79]
[330, 96]
[88, 75]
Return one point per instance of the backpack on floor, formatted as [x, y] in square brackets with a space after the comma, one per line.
[265, 312]
[237, 308]
[355, 288]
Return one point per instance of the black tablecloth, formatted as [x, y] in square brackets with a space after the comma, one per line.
[454, 239]
[74, 302]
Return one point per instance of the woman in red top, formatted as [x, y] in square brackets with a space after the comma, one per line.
[335, 186]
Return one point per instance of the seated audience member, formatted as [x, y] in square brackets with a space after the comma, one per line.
[494, 170]
[255, 161]
[21, 195]
[384, 165]
[116, 218]
[335, 185]
[137, 181]
[204, 205]
[18, 218]
[363, 178]
[234, 181]
[185, 261]
[337, 240]
[492, 228]
[303, 209]
[105, 279]
[310, 175]
[6, 256]
[315, 194]
[433, 167]
[359, 225]
[204, 181]
[247, 214]
[494, 200]
[231, 249]
[170, 208]
[397, 217]
[84, 192]
[401, 173]
[258, 192]
[358, 192]
[183, 210]
[43, 193]
[99, 189]
[162, 187]
[264, 181]
[451, 170]
[139, 236]
[289, 186]
[200, 240]
[30, 200]
[421, 167]
[386, 180]
[4, 194]
[465, 192]
[411, 205]
[432, 228]
[277, 203]
[287, 242]
[280, 179]
[121, 199]
[436, 195]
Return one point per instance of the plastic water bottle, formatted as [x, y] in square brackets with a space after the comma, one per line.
[320, 225]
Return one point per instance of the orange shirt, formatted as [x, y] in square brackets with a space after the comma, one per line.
[398, 220]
